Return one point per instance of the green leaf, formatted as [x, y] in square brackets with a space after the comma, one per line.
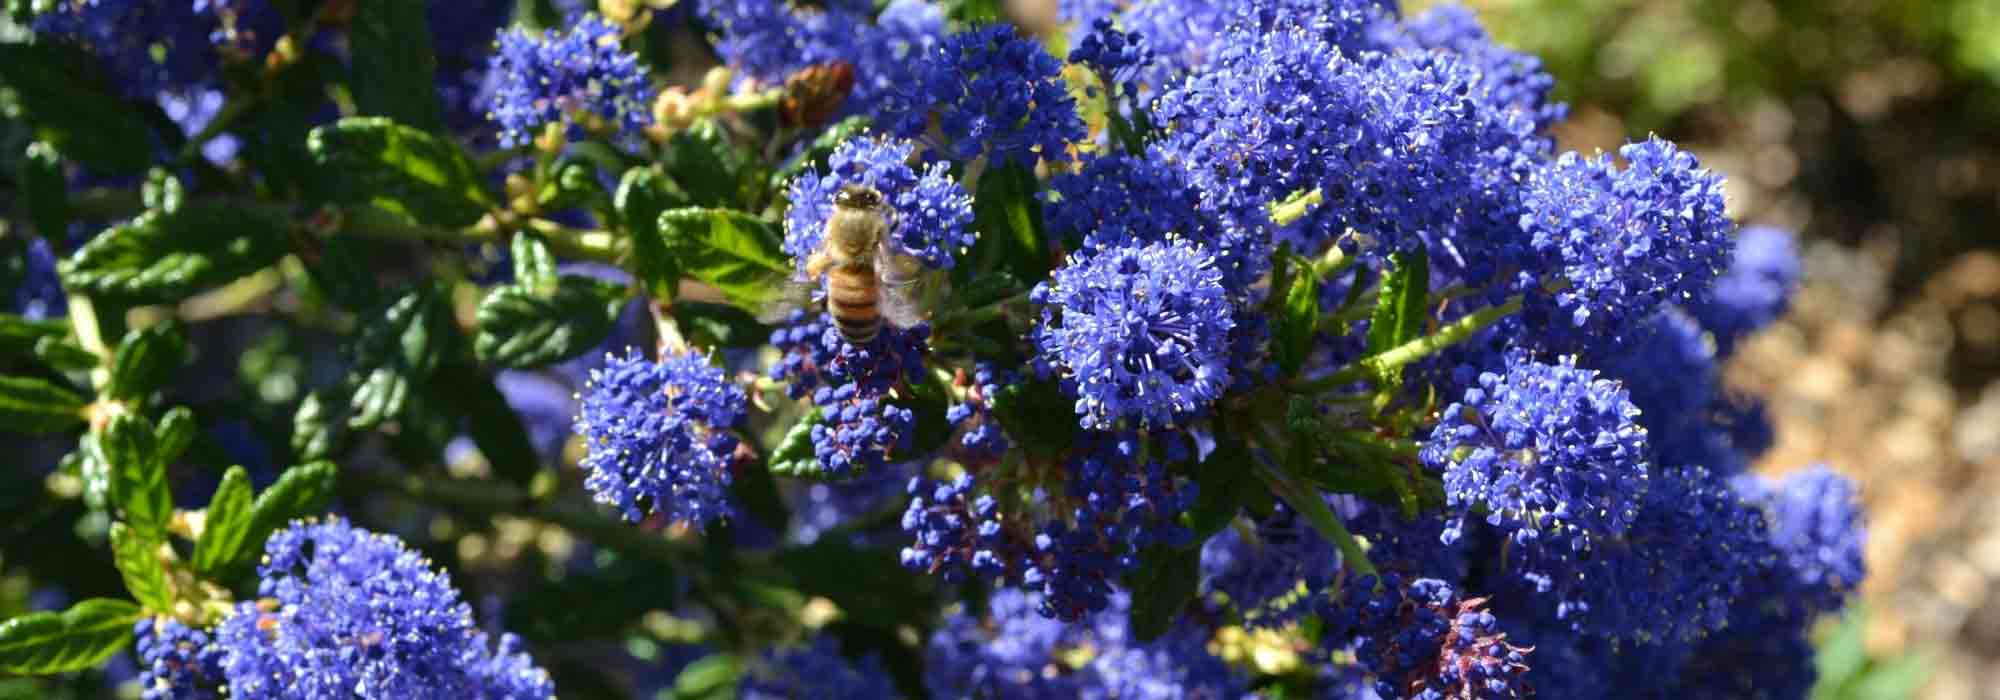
[395, 354]
[53, 88]
[1297, 319]
[493, 425]
[1007, 212]
[642, 195]
[146, 360]
[177, 430]
[1161, 587]
[732, 251]
[225, 525]
[45, 190]
[719, 325]
[317, 427]
[815, 154]
[36, 405]
[1038, 415]
[44, 340]
[521, 329]
[139, 489]
[394, 68]
[162, 257]
[794, 456]
[534, 265]
[76, 639]
[137, 555]
[1401, 309]
[400, 169]
[709, 168]
[64, 354]
[302, 491]
[712, 677]
[595, 605]
[1223, 481]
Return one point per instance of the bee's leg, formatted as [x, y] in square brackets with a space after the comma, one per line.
[818, 263]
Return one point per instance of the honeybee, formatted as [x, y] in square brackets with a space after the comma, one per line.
[866, 281]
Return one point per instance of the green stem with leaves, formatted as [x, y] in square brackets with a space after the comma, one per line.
[1402, 355]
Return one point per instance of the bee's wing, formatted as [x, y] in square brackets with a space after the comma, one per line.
[796, 294]
[902, 286]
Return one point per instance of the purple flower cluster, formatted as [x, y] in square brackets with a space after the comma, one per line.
[153, 46]
[1270, 570]
[1756, 289]
[861, 429]
[658, 436]
[993, 92]
[769, 40]
[1138, 333]
[348, 614]
[930, 213]
[952, 530]
[579, 77]
[1421, 640]
[1012, 652]
[815, 671]
[177, 662]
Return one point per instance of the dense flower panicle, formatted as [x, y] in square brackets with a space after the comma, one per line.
[1764, 270]
[148, 46]
[1552, 453]
[1422, 641]
[1118, 504]
[1401, 148]
[1269, 570]
[1817, 533]
[995, 93]
[1620, 243]
[952, 531]
[1413, 547]
[816, 671]
[1670, 578]
[1667, 366]
[982, 436]
[1511, 79]
[1138, 333]
[177, 662]
[462, 40]
[351, 615]
[1099, 207]
[1013, 653]
[1116, 56]
[580, 78]
[658, 436]
[861, 432]
[930, 213]
[768, 39]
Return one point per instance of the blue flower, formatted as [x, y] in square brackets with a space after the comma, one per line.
[462, 39]
[1619, 243]
[931, 214]
[1093, 209]
[994, 93]
[1138, 332]
[580, 78]
[154, 46]
[1012, 653]
[1421, 640]
[1264, 568]
[1116, 56]
[1818, 535]
[1119, 502]
[177, 662]
[982, 438]
[815, 671]
[38, 294]
[1402, 147]
[1672, 375]
[1511, 80]
[346, 614]
[1763, 272]
[952, 530]
[658, 436]
[1550, 453]
[769, 40]
[862, 432]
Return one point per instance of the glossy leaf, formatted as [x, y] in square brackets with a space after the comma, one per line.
[146, 360]
[793, 457]
[520, 328]
[137, 555]
[1007, 211]
[642, 195]
[176, 431]
[732, 251]
[534, 265]
[164, 256]
[394, 67]
[1296, 321]
[1162, 586]
[712, 677]
[73, 640]
[225, 525]
[302, 491]
[1401, 308]
[130, 448]
[400, 169]
[396, 352]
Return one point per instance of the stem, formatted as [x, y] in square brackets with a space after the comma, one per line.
[753, 101]
[1397, 357]
[1307, 501]
[1296, 206]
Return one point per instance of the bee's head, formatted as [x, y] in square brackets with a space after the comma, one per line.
[857, 197]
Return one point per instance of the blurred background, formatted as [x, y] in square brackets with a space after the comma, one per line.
[1872, 129]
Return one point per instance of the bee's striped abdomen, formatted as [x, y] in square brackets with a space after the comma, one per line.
[853, 298]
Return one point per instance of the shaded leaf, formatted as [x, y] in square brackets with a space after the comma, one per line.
[493, 425]
[394, 67]
[719, 325]
[869, 584]
[1007, 212]
[1162, 586]
[522, 329]
[163, 256]
[1037, 415]
[1297, 319]
[710, 168]
[72, 640]
[36, 405]
[53, 88]
[395, 354]
[643, 193]
[146, 360]
[317, 427]
[593, 605]
[400, 169]
[712, 677]
[45, 190]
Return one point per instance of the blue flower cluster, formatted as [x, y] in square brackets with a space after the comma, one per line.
[580, 78]
[815, 671]
[349, 614]
[1270, 570]
[1756, 289]
[1138, 333]
[658, 436]
[930, 213]
[1012, 652]
[1421, 640]
[769, 40]
[861, 428]
[993, 92]
[982, 439]
[952, 530]
[177, 662]
[149, 47]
